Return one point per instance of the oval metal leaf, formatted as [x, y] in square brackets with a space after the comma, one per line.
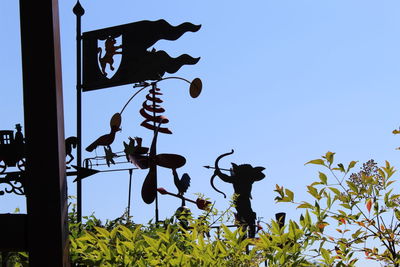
[149, 188]
[170, 161]
[116, 120]
[195, 88]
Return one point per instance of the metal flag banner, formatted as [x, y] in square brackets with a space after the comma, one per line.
[119, 55]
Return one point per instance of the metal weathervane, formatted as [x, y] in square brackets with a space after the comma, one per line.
[122, 55]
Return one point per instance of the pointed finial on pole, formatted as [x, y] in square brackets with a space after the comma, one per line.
[78, 9]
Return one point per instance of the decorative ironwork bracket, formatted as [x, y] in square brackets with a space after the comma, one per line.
[14, 183]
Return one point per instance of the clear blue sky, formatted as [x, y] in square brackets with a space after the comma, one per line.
[283, 82]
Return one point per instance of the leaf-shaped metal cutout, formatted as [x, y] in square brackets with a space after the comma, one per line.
[170, 161]
[116, 120]
[149, 188]
[195, 88]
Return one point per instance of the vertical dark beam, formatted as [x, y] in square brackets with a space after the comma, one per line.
[46, 188]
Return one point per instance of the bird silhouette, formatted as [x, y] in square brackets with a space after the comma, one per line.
[137, 154]
[104, 140]
[181, 184]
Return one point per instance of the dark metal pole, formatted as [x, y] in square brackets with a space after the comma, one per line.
[154, 87]
[129, 194]
[79, 11]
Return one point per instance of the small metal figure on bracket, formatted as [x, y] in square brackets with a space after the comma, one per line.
[19, 137]
[181, 184]
[242, 178]
[12, 149]
[70, 143]
[110, 51]
[136, 153]
[107, 139]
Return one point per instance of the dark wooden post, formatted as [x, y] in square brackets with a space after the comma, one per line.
[46, 188]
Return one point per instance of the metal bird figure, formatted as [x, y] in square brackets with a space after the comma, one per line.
[136, 154]
[104, 140]
[109, 156]
[181, 184]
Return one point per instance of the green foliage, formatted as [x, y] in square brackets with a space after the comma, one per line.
[193, 243]
[351, 213]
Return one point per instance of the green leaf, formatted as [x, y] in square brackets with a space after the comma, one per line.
[152, 242]
[335, 190]
[352, 186]
[345, 205]
[102, 231]
[328, 201]
[129, 245]
[316, 161]
[351, 165]
[305, 205]
[125, 232]
[326, 255]
[307, 218]
[329, 156]
[314, 192]
[386, 197]
[394, 197]
[340, 167]
[357, 233]
[397, 214]
[323, 178]
[289, 194]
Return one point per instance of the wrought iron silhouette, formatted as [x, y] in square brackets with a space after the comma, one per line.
[109, 156]
[19, 137]
[12, 149]
[107, 139]
[242, 178]
[137, 154]
[139, 157]
[182, 184]
[14, 183]
[137, 63]
[154, 108]
[200, 203]
[70, 143]
[110, 51]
